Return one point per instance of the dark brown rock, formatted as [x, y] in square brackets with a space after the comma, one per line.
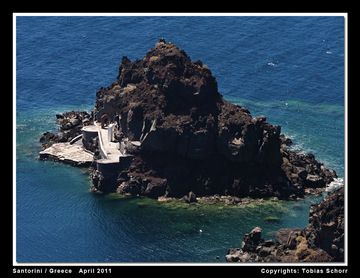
[190, 198]
[287, 237]
[155, 189]
[70, 124]
[252, 240]
[314, 181]
[285, 140]
[326, 227]
[321, 241]
[190, 136]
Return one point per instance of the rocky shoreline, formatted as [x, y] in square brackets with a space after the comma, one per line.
[70, 125]
[163, 130]
[179, 138]
[321, 241]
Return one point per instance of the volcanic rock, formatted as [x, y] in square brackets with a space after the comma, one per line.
[321, 241]
[177, 127]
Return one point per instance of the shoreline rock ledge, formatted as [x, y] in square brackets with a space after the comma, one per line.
[176, 134]
[322, 240]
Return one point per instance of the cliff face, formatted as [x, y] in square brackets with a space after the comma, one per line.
[321, 241]
[326, 225]
[185, 137]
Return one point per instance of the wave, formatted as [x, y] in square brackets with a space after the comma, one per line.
[335, 184]
[271, 64]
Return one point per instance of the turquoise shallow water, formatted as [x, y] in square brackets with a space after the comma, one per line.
[289, 69]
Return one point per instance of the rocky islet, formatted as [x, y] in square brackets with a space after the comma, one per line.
[184, 139]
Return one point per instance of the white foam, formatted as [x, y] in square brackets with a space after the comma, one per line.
[335, 185]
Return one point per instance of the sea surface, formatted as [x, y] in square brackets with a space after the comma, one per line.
[290, 69]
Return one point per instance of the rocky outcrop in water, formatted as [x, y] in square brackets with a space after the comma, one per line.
[192, 139]
[321, 241]
[183, 136]
[326, 225]
[70, 125]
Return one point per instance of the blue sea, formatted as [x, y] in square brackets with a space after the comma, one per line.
[290, 69]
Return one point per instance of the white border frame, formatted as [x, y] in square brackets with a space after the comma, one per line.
[345, 15]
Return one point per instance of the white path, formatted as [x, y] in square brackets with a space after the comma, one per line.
[74, 154]
[110, 150]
